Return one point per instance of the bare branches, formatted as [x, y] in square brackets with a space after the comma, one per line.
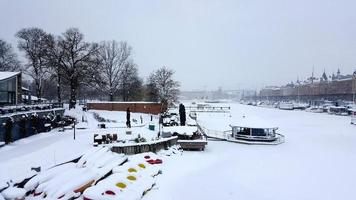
[130, 84]
[162, 86]
[8, 59]
[113, 56]
[78, 60]
[79, 65]
[33, 41]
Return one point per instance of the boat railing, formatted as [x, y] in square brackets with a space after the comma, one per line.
[214, 133]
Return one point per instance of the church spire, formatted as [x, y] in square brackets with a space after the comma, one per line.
[324, 76]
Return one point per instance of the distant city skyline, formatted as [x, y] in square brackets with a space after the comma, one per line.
[245, 44]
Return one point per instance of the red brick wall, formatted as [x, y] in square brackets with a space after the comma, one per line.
[150, 108]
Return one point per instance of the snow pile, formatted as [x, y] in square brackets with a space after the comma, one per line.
[129, 181]
[13, 193]
[181, 130]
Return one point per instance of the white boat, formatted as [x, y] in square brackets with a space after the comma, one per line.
[315, 109]
[286, 106]
[338, 110]
[300, 106]
[253, 131]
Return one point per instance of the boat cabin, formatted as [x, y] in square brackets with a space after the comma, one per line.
[254, 130]
[254, 133]
[338, 110]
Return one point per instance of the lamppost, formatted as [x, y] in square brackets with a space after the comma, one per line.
[75, 121]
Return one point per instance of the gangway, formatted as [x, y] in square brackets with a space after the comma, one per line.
[213, 134]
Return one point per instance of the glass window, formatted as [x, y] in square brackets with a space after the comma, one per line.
[3, 86]
[258, 132]
[3, 97]
[12, 84]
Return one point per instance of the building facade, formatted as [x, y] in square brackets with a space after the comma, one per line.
[10, 88]
[338, 88]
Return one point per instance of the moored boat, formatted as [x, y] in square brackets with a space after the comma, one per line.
[249, 131]
[338, 110]
[315, 109]
[286, 106]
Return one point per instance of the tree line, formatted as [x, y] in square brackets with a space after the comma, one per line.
[66, 67]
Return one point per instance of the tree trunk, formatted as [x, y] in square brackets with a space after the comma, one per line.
[38, 90]
[73, 96]
[59, 89]
[111, 95]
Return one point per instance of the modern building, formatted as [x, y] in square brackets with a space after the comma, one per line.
[10, 88]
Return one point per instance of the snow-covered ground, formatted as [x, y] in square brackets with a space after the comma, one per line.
[317, 161]
[48, 149]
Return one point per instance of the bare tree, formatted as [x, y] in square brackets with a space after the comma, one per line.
[113, 57]
[54, 58]
[79, 62]
[162, 86]
[8, 59]
[33, 42]
[130, 84]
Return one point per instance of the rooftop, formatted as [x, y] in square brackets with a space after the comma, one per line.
[7, 75]
[252, 122]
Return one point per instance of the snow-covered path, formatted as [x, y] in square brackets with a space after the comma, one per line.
[317, 162]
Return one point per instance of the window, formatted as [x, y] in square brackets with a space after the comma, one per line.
[258, 132]
[3, 97]
[3, 86]
[12, 84]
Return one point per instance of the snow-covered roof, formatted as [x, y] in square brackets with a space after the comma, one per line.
[33, 98]
[252, 122]
[7, 75]
[26, 89]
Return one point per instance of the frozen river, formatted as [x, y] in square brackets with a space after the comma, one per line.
[317, 161]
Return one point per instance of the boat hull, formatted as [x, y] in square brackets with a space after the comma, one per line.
[278, 139]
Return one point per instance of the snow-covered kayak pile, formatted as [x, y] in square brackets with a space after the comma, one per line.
[69, 180]
[129, 181]
[98, 174]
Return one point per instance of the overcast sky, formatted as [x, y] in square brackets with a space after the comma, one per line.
[210, 44]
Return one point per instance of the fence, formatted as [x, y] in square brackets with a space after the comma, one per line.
[28, 123]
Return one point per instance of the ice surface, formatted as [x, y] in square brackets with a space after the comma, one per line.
[317, 161]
